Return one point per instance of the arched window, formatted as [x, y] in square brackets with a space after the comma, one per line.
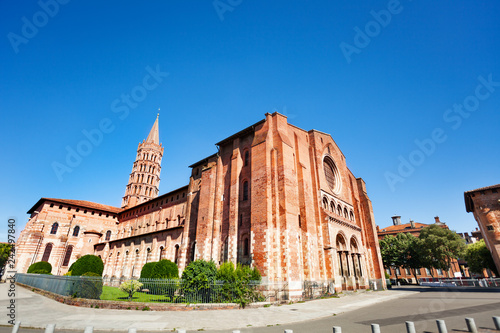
[325, 203]
[245, 191]
[247, 158]
[339, 210]
[176, 257]
[67, 256]
[346, 215]
[351, 216]
[148, 254]
[76, 231]
[246, 247]
[53, 230]
[108, 235]
[331, 173]
[46, 253]
[162, 250]
[332, 206]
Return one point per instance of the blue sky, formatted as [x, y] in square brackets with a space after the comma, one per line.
[382, 77]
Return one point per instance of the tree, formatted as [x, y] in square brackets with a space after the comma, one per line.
[441, 246]
[4, 254]
[478, 258]
[130, 287]
[415, 255]
[394, 250]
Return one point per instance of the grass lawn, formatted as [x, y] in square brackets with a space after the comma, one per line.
[115, 294]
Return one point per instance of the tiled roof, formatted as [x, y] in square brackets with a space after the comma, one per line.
[403, 227]
[485, 188]
[79, 203]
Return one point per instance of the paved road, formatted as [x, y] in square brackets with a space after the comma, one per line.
[354, 314]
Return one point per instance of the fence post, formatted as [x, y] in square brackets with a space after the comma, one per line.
[50, 328]
[410, 327]
[375, 328]
[471, 325]
[496, 321]
[16, 326]
[89, 329]
[337, 329]
[441, 326]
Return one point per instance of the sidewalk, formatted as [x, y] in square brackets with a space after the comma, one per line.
[37, 311]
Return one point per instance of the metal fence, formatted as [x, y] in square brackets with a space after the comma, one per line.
[156, 290]
[460, 282]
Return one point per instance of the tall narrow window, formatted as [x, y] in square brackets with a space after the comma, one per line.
[246, 247]
[108, 235]
[176, 257]
[245, 191]
[46, 253]
[161, 252]
[148, 254]
[53, 230]
[300, 222]
[247, 158]
[67, 256]
[193, 251]
[76, 231]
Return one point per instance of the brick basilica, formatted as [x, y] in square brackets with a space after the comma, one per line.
[274, 196]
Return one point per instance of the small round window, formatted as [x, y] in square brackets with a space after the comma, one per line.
[331, 174]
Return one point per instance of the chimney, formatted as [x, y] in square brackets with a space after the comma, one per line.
[396, 220]
[437, 219]
[412, 224]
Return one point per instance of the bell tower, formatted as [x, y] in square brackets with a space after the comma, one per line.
[145, 176]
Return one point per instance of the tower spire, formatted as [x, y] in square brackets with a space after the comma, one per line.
[144, 179]
[154, 136]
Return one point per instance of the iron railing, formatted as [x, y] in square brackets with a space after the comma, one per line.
[156, 290]
[460, 282]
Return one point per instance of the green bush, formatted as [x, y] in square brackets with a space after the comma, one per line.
[161, 270]
[237, 285]
[198, 281]
[89, 285]
[147, 270]
[41, 267]
[87, 263]
[165, 269]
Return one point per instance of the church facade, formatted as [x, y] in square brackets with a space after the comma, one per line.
[274, 196]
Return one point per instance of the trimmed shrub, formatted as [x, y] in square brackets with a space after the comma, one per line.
[89, 285]
[147, 270]
[87, 263]
[198, 281]
[41, 267]
[165, 269]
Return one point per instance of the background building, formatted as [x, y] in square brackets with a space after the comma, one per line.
[274, 196]
[484, 203]
[414, 229]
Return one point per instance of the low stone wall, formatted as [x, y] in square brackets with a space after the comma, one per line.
[124, 305]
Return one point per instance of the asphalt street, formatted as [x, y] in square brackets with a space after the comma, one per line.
[421, 305]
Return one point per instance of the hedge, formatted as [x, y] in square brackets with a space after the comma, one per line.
[85, 264]
[41, 267]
